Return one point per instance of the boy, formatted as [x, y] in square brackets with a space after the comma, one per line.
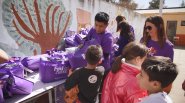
[88, 78]
[100, 32]
[106, 41]
[157, 73]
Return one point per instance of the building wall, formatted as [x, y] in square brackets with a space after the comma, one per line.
[30, 27]
[180, 31]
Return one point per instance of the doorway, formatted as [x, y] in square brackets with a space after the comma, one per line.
[171, 30]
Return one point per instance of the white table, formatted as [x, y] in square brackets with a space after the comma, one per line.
[39, 89]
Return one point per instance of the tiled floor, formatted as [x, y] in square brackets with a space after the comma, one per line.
[177, 94]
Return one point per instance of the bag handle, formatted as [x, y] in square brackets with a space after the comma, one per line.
[68, 35]
[51, 52]
[13, 59]
[59, 64]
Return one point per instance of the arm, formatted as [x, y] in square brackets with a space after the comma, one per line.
[3, 57]
[87, 37]
[72, 80]
[119, 52]
[107, 45]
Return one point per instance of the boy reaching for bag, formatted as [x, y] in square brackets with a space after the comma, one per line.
[86, 79]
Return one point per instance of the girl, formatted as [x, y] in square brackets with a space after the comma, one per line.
[120, 85]
[154, 37]
[121, 18]
[126, 36]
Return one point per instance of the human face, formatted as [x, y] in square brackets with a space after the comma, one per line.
[143, 80]
[100, 27]
[140, 60]
[153, 31]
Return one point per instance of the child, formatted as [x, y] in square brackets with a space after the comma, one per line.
[157, 73]
[121, 18]
[120, 85]
[100, 32]
[88, 78]
[126, 37]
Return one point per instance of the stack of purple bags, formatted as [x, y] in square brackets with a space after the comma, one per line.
[12, 76]
[75, 39]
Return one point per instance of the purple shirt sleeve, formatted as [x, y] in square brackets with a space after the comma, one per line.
[89, 35]
[107, 44]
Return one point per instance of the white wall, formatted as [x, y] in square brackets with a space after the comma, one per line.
[8, 41]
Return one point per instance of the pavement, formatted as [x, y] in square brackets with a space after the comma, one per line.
[177, 94]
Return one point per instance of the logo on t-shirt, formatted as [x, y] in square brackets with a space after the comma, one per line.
[92, 79]
[152, 51]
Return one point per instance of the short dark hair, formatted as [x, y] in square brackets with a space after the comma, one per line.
[160, 69]
[93, 54]
[102, 17]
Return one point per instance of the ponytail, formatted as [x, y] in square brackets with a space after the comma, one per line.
[117, 64]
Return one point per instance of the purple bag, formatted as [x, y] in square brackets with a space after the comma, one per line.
[53, 68]
[77, 59]
[70, 33]
[1, 96]
[32, 62]
[79, 37]
[21, 86]
[71, 41]
[15, 66]
[85, 31]
[15, 84]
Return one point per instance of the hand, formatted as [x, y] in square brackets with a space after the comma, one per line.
[68, 99]
[115, 41]
[80, 46]
[70, 71]
[2, 84]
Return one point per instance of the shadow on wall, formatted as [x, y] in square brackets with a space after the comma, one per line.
[36, 24]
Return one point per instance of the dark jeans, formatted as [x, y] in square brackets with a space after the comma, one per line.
[101, 85]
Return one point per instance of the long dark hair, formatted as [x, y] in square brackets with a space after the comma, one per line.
[161, 34]
[125, 30]
[130, 52]
[119, 18]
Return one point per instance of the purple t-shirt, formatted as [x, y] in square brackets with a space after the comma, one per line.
[166, 51]
[106, 39]
[106, 42]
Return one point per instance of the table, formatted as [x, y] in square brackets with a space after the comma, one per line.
[39, 89]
